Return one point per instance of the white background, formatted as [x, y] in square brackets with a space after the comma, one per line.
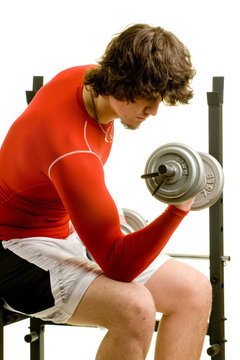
[47, 36]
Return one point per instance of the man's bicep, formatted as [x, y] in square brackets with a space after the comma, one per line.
[79, 181]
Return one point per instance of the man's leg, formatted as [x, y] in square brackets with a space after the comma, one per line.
[183, 295]
[127, 310]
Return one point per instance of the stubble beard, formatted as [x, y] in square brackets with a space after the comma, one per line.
[129, 127]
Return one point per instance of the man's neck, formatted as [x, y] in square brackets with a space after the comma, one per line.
[104, 111]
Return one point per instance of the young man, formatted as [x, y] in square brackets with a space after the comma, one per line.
[51, 172]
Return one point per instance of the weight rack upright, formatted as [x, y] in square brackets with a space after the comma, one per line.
[216, 329]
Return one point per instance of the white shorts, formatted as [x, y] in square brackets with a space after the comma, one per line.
[70, 273]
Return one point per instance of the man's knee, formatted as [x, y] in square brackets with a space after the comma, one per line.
[198, 292]
[177, 286]
[138, 315]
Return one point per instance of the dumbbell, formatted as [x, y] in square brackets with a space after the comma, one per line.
[134, 221]
[175, 173]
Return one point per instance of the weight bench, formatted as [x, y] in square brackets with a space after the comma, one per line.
[216, 330]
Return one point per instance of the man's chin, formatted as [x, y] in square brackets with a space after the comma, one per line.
[129, 126]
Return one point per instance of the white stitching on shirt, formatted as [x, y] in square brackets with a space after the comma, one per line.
[70, 153]
[85, 135]
[75, 152]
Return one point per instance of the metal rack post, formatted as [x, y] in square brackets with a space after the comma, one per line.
[217, 326]
[1, 332]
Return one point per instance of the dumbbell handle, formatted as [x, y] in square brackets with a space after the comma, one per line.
[163, 170]
[166, 170]
[158, 187]
[150, 175]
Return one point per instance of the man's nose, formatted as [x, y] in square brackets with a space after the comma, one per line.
[152, 109]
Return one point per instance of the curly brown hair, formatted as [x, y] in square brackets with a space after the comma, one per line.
[144, 62]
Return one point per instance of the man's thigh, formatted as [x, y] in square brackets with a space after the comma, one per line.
[109, 303]
[107, 299]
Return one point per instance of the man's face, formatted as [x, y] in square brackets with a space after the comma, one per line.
[133, 114]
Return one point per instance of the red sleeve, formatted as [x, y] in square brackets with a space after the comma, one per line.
[79, 180]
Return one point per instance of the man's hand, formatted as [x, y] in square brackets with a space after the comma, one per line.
[186, 206]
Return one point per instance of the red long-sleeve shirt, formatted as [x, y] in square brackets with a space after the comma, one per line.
[51, 169]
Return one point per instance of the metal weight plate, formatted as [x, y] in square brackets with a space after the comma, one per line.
[134, 219]
[188, 176]
[214, 182]
[126, 228]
